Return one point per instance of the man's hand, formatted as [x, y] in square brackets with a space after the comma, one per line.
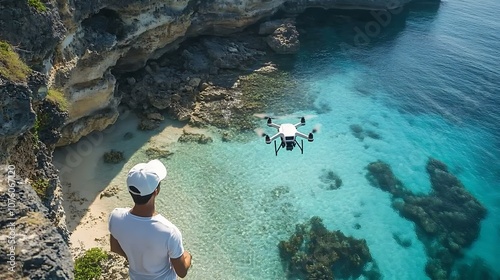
[182, 264]
[115, 246]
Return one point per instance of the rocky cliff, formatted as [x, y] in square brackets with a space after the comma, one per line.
[33, 230]
[83, 45]
[31, 247]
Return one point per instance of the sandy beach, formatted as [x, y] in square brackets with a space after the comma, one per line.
[92, 188]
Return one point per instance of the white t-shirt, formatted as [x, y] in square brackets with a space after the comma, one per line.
[148, 242]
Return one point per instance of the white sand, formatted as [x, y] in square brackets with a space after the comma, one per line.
[85, 177]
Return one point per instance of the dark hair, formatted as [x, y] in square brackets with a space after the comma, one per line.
[140, 200]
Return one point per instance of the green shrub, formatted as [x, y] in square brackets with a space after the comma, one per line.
[38, 5]
[89, 266]
[40, 186]
[58, 98]
[11, 66]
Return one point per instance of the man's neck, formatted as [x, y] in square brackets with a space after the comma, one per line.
[147, 210]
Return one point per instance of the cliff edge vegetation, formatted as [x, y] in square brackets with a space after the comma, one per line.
[11, 66]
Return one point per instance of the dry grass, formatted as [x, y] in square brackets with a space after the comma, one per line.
[11, 66]
[58, 98]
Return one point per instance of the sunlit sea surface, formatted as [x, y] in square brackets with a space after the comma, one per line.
[427, 84]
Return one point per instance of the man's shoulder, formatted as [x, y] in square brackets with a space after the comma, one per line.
[166, 223]
[121, 210]
[117, 212]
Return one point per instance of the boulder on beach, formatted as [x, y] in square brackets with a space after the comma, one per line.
[285, 39]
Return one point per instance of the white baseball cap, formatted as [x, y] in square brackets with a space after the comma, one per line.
[145, 177]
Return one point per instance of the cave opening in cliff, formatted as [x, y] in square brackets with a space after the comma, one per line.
[106, 20]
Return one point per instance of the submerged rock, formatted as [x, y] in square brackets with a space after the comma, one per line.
[357, 131]
[448, 217]
[113, 156]
[128, 136]
[148, 124]
[360, 133]
[404, 242]
[477, 269]
[158, 152]
[331, 179]
[195, 137]
[313, 252]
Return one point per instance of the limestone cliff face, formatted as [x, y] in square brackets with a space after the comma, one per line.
[32, 247]
[35, 244]
[34, 34]
[106, 37]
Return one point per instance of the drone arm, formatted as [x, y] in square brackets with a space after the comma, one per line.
[299, 124]
[272, 138]
[300, 134]
[308, 137]
[273, 125]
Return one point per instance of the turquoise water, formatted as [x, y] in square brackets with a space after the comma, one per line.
[427, 84]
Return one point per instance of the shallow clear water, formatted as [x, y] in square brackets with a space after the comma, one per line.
[427, 85]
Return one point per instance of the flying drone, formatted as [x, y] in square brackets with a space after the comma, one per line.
[288, 134]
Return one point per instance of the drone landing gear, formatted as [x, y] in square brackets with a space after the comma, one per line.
[289, 146]
[301, 145]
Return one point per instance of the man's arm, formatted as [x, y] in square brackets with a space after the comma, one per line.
[182, 264]
[115, 246]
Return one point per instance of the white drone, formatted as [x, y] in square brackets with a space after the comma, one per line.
[288, 133]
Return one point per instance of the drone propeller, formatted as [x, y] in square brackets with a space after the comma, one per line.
[316, 128]
[307, 117]
[263, 116]
[260, 132]
[272, 116]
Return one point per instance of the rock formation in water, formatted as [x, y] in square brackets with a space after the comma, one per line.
[313, 252]
[330, 179]
[447, 219]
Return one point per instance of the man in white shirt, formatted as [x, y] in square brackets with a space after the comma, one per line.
[151, 244]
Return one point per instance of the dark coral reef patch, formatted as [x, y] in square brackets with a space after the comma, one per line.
[330, 179]
[448, 218]
[314, 252]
